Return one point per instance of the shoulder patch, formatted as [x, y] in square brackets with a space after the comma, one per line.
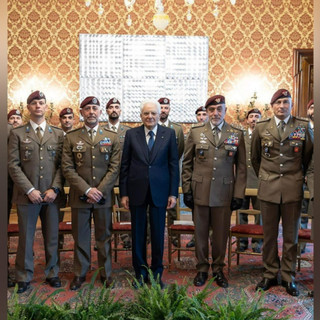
[302, 119]
[237, 127]
[109, 130]
[74, 130]
[175, 124]
[55, 127]
[198, 125]
[263, 120]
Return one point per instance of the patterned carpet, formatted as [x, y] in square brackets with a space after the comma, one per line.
[242, 278]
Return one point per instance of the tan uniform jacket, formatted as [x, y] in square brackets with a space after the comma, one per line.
[33, 164]
[213, 173]
[252, 179]
[87, 163]
[179, 136]
[280, 164]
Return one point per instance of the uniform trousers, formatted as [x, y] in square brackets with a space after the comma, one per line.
[27, 220]
[218, 218]
[290, 215]
[157, 216]
[81, 230]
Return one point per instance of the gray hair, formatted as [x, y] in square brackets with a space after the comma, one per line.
[151, 101]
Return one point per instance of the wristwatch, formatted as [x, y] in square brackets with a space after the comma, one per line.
[55, 189]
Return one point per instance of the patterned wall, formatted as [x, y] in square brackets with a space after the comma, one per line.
[249, 42]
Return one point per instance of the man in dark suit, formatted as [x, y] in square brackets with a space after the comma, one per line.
[281, 149]
[213, 182]
[113, 109]
[90, 163]
[149, 176]
[34, 166]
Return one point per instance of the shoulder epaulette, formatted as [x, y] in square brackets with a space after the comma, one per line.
[237, 127]
[175, 123]
[125, 126]
[302, 119]
[198, 125]
[54, 127]
[264, 120]
[74, 130]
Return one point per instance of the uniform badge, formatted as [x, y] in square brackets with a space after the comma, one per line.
[203, 138]
[27, 129]
[50, 129]
[114, 100]
[79, 155]
[233, 139]
[105, 142]
[107, 157]
[165, 101]
[299, 133]
[94, 100]
[41, 95]
[80, 145]
[79, 164]
[27, 140]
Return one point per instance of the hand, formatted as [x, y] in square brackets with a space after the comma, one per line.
[125, 202]
[236, 203]
[171, 202]
[188, 200]
[35, 196]
[94, 195]
[49, 196]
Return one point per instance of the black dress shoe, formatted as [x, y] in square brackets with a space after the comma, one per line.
[54, 282]
[200, 279]
[191, 243]
[107, 282]
[11, 283]
[127, 245]
[291, 288]
[77, 282]
[23, 286]
[175, 242]
[220, 279]
[265, 284]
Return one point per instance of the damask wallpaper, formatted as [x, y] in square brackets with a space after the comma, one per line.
[250, 44]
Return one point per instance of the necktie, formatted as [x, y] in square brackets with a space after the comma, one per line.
[282, 126]
[151, 140]
[216, 131]
[91, 134]
[163, 124]
[114, 128]
[39, 133]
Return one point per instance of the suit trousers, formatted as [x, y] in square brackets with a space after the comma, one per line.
[218, 218]
[81, 230]
[157, 216]
[290, 215]
[27, 220]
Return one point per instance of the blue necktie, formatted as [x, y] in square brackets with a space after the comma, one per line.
[151, 140]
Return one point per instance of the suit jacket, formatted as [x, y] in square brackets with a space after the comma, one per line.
[159, 169]
[35, 164]
[252, 179]
[280, 163]
[214, 173]
[179, 136]
[87, 163]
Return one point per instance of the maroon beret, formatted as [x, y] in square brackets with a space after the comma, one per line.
[164, 101]
[65, 111]
[36, 95]
[14, 112]
[281, 93]
[200, 109]
[310, 103]
[215, 100]
[89, 100]
[254, 110]
[113, 101]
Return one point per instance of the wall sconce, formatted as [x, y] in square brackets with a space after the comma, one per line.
[129, 5]
[189, 3]
[160, 19]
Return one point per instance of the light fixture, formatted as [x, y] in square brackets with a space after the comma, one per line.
[189, 3]
[160, 19]
[100, 9]
[216, 11]
[129, 5]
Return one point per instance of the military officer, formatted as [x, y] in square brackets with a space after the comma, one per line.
[113, 109]
[34, 166]
[281, 149]
[164, 121]
[253, 116]
[15, 118]
[90, 163]
[214, 152]
[66, 117]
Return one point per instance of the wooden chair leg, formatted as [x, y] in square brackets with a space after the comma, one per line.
[116, 247]
[169, 249]
[229, 251]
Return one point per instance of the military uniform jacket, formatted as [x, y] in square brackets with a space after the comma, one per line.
[310, 170]
[87, 163]
[35, 164]
[252, 179]
[214, 173]
[280, 164]
[179, 136]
